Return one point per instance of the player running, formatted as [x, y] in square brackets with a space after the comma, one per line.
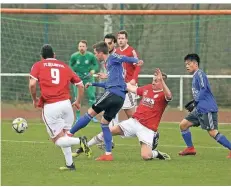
[205, 112]
[54, 77]
[113, 98]
[145, 121]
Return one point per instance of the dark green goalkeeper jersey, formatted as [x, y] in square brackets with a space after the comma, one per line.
[82, 64]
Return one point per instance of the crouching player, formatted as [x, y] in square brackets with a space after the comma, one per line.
[145, 121]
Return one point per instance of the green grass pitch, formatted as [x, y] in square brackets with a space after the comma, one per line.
[30, 159]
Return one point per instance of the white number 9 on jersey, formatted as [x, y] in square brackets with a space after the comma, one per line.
[55, 75]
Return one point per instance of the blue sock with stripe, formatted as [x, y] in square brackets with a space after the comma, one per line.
[107, 137]
[220, 138]
[186, 134]
[81, 123]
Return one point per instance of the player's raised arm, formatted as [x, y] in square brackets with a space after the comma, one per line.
[162, 77]
[126, 59]
[137, 69]
[135, 74]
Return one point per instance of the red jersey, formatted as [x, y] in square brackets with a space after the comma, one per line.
[151, 107]
[131, 71]
[54, 77]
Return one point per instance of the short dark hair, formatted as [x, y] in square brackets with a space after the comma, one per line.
[47, 51]
[83, 41]
[111, 36]
[123, 32]
[193, 57]
[101, 47]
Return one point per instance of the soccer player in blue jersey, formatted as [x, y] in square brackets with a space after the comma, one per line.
[113, 98]
[205, 111]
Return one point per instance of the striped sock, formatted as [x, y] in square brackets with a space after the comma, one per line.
[220, 138]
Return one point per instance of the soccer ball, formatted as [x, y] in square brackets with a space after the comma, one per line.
[19, 125]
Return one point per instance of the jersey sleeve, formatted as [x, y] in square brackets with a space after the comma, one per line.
[122, 58]
[202, 79]
[134, 53]
[140, 90]
[34, 73]
[137, 68]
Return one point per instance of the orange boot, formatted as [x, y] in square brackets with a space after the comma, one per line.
[188, 151]
[105, 157]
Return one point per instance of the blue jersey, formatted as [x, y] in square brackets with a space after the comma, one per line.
[202, 94]
[115, 82]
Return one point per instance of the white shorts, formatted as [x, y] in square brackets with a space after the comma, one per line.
[130, 101]
[58, 116]
[133, 128]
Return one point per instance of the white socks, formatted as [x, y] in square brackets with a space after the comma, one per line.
[67, 141]
[154, 154]
[68, 155]
[96, 140]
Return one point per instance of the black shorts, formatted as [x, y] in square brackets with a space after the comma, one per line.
[110, 104]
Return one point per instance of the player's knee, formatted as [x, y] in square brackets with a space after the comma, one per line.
[213, 132]
[184, 125]
[145, 156]
[92, 112]
[129, 112]
[116, 130]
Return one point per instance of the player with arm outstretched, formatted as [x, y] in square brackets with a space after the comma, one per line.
[205, 112]
[111, 41]
[145, 121]
[113, 98]
[54, 77]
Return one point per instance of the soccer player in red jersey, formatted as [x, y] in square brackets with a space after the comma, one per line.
[145, 121]
[54, 78]
[131, 71]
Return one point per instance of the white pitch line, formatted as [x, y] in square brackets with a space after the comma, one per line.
[128, 145]
[164, 128]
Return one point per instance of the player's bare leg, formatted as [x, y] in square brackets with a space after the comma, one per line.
[65, 142]
[129, 112]
[98, 139]
[148, 154]
[186, 134]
